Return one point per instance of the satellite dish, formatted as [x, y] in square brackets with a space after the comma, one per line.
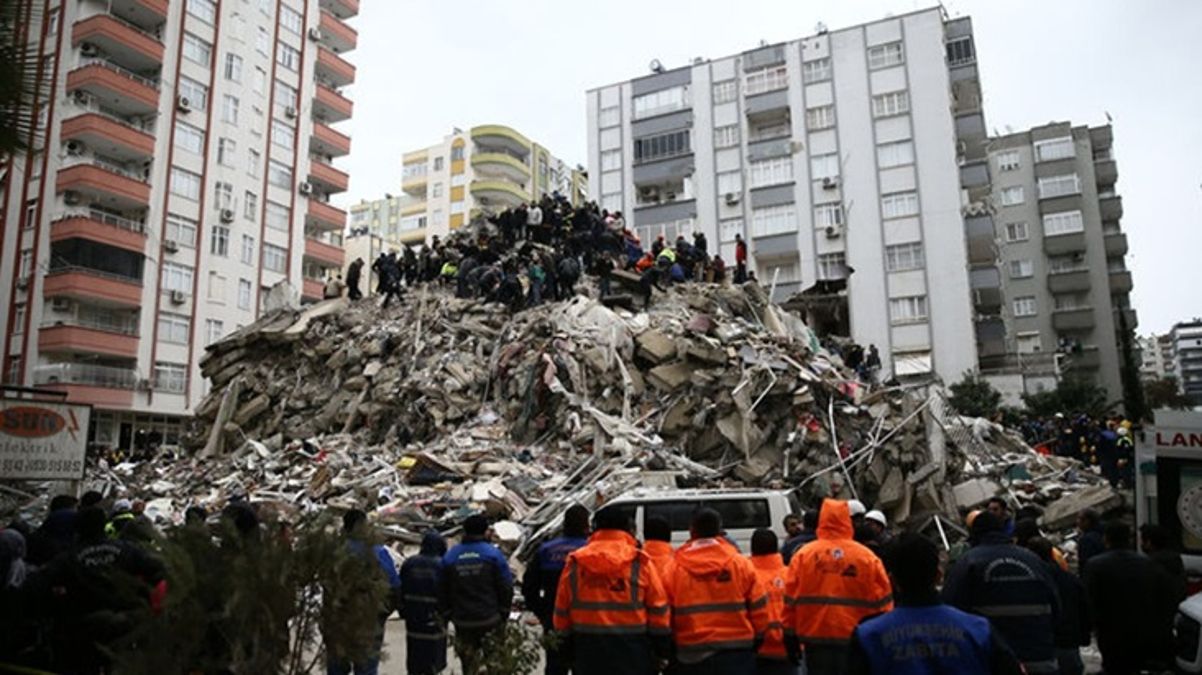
[656, 66]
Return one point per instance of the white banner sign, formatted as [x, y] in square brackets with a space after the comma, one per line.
[42, 440]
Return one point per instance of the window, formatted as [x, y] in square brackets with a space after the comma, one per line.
[828, 215]
[773, 220]
[960, 51]
[52, 29]
[730, 183]
[610, 117]
[1011, 196]
[181, 230]
[18, 318]
[205, 10]
[783, 273]
[1021, 269]
[227, 150]
[822, 117]
[244, 291]
[816, 71]
[197, 50]
[1058, 186]
[883, 56]
[824, 166]
[771, 171]
[278, 217]
[727, 136]
[233, 67]
[263, 41]
[274, 258]
[224, 195]
[894, 103]
[611, 159]
[1016, 232]
[229, 109]
[188, 137]
[726, 91]
[196, 93]
[259, 83]
[219, 242]
[1028, 344]
[248, 249]
[173, 328]
[612, 202]
[727, 229]
[1059, 264]
[252, 162]
[279, 174]
[900, 153]
[660, 102]
[767, 79]
[911, 309]
[250, 206]
[670, 144]
[1065, 222]
[1008, 160]
[457, 154]
[185, 183]
[285, 95]
[832, 266]
[288, 57]
[177, 277]
[438, 163]
[26, 262]
[283, 136]
[903, 257]
[291, 20]
[214, 329]
[170, 377]
[436, 190]
[1025, 306]
[899, 205]
[1056, 148]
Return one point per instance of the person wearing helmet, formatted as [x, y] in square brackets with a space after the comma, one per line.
[873, 532]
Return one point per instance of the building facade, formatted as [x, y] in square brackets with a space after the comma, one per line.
[1151, 361]
[182, 166]
[384, 219]
[1186, 345]
[837, 157]
[1061, 249]
[490, 167]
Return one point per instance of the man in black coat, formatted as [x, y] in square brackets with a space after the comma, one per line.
[1072, 630]
[1089, 543]
[352, 279]
[1155, 542]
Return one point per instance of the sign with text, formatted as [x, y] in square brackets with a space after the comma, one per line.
[42, 440]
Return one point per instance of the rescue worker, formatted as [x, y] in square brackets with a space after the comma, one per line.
[541, 580]
[123, 515]
[833, 583]
[1011, 587]
[719, 606]
[922, 636]
[476, 591]
[357, 532]
[771, 658]
[657, 532]
[425, 632]
[611, 611]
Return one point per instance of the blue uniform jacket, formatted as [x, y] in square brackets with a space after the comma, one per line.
[477, 585]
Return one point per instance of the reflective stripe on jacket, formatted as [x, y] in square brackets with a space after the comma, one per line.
[610, 587]
[771, 571]
[834, 582]
[718, 602]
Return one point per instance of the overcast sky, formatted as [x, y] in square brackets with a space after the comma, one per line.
[426, 66]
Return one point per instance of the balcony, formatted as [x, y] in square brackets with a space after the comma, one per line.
[95, 286]
[121, 42]
[124, 91]
[74, 337]
[414, 184]
[312, 289]
[103, 386]
[1076, 319]
[334, 69]
[1086, 359]
[1111, 207]
[326, 177]
[327, 141]
[1060, 244]
[1068, 282]
[343, 9]
[322, 252]
[105, 183]
[1116, 244]
[100, 227]
[500, 165]
[499, 193]
[146, 14]
[1120, 283]
[325, 217]
[329, 106]
[336, 34]
[109, 136]
[1130, 317]
[499, 136]
[1106, 171]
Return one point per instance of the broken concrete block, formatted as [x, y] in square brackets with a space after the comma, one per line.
[252, 409]
[975, 492]
[655, 346]
[1063, 512]
[670, 376]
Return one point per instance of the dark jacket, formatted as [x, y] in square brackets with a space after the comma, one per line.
[477, 585]
[1170, 563]
[1133, 608]
[791, 546]
[55, 535]
[541, 580]
[1089, 545]
[1013, 588]
[1072, 630]
[421, 577]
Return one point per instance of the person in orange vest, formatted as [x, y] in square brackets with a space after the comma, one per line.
[657, 532]
[611, 611]
[772, 657]
[719, 606]
[833, 582]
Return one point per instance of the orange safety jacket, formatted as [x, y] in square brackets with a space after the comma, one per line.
[662, 556]
[610, 587]
[771, 571]
[833, 582]
[718, 602]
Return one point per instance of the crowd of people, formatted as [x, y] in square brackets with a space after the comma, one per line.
[1105, 442]
[840, 594]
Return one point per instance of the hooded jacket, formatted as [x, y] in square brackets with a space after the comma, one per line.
[663, 557]
[834, 582]
[771, 571]
[541, 581]
[420, 579]
[718, 602]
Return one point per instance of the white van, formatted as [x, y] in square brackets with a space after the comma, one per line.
[743, 511]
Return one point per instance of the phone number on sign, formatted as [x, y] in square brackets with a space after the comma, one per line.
[40, 464]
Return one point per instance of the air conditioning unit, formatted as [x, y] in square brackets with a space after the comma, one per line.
[81, 97]
[832, 232]
[23, 283]
[70, 198]
[183, 104]
[305, 188]
[170, 245]
[315, 34]
[89, 50]
[75, 148]
[290, 112]
[732, 198]
[61, 304]
[178, 297]
[829, 183]
[227, 215]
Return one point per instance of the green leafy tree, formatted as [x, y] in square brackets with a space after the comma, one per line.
[1072, 395]
[1165, 392]
[975, 397]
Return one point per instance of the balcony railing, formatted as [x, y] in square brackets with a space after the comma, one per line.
[108, 324]
[64, 268]
[110, 166]
[88, 103]
[106, 218]
[109, 65]
[108, 377]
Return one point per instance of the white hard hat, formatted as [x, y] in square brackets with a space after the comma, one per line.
[122, 505]
[1122, 431]
[877, 516]
[856, 507]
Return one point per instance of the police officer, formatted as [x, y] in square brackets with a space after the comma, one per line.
[476, 591]
[541, 580]
[425, 632]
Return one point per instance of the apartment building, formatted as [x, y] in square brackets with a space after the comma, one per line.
[1062, 250]
[490, 167]
[1151, 360]
[838, 158]
[383, 219]
[182, 166]
[1185, 340]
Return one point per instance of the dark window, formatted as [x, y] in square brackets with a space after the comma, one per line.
[960, 51]
[742, 514]
[664, 145]
[678, 514]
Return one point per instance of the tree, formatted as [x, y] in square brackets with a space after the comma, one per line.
[1165, 392]
[1133, 391]
[1071, 395]
[975, 397]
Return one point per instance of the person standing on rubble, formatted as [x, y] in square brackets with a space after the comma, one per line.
[833, 583]
[740, 259]
[771, 658]
[541, 580]
[352, 279]
[476, 591]
[611, 611]
[425, 631]
[719, 607]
